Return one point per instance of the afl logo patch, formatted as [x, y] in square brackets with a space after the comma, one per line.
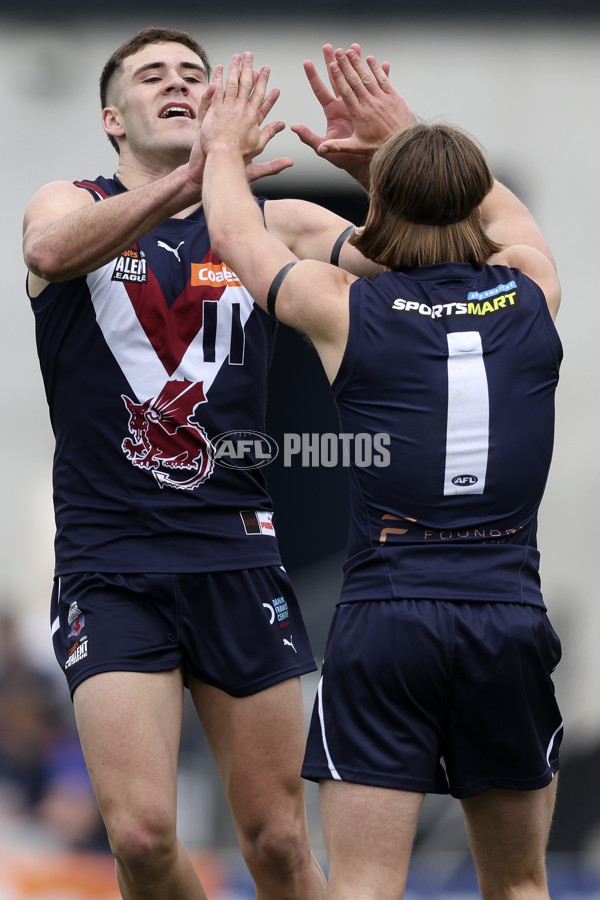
[465, 480]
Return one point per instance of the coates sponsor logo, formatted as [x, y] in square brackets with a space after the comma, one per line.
[257, 522]
[165, 440]
[131, 266]
[244, 449]
[213, 275]
[478, 303]
[78, 651]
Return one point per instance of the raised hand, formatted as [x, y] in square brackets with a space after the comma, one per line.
[339, 123]
[232, 114]
[362, 110]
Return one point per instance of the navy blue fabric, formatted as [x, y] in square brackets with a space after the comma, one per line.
[408, 537]
[145, 362]
[240, 631]
[437, 697]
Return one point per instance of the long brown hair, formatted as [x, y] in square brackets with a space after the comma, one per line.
[150, 35]
[426, 186]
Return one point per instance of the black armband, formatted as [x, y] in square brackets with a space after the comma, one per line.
[335, 253]
[275, 285]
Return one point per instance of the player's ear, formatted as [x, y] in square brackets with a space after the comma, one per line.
[112, 122]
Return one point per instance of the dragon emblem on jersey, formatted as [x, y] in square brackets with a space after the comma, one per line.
[165, 440]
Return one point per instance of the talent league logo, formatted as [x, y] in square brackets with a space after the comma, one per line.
[165, 440]
[131, 266]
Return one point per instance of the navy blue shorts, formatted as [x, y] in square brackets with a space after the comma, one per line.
[240, 631]
[437, 697]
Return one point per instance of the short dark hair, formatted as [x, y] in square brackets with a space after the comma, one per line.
[426, 184]
[150, 35]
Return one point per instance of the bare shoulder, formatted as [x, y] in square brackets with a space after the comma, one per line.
[56, 199]
[314, 299]
[51, 203]
[537, 266]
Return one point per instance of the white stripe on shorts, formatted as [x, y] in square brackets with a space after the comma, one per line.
[56, 623]
[332, 769]
[551, 744]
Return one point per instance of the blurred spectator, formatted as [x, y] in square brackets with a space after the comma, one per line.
[45, 791]
[27, 712]
[67, 806]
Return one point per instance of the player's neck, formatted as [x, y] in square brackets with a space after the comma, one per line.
[134, 175]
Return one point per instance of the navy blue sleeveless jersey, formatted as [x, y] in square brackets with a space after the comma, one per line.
[452, 370]
[146, 362]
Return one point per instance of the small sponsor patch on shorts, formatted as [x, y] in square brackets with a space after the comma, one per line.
[78, 651]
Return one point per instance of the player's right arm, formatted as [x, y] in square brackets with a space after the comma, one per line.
[67, 234]
[508, 222]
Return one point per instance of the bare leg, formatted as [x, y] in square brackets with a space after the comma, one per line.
[508, 831]
[130, 724]
[369, 833]
[258, 744]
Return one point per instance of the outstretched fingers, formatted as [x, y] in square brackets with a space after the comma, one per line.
[233, 77]
[318, 86]
[261, 101]
[205, 102]
[329, 57]
[353, 80]
[251, 86]
[216, 85]
[242, 85]
[246, 74]
[268, 104]
[259, 93]
[236, 110]
[339, 123]
[242, 81]
[380, 72]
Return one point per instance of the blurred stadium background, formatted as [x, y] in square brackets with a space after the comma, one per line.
[525, 79]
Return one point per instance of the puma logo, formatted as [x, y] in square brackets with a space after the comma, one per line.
[173, 250]
[289, 643]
